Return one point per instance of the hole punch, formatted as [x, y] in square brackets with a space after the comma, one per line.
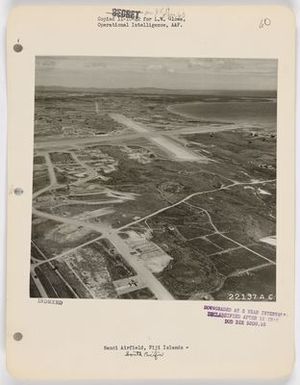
[18, 47]
[18, 336]
[18, 191]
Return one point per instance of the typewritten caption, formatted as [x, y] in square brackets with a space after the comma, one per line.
[158, 18]
[49, 301]
[243, 316]
[154, 352]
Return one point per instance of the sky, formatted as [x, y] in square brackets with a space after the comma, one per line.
[168, 73]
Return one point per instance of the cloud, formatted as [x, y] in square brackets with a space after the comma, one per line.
[185, 73]
[96, 65]
[155, 67]
[42, 62]
[160, 68]
[215, 64]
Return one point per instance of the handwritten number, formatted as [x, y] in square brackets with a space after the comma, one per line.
[266, 22]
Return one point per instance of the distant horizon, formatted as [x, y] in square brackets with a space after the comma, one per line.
[184, 74]
[154, 88]
[155, 91]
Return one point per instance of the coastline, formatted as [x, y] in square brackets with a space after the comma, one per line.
[224, 117]
[171, 107]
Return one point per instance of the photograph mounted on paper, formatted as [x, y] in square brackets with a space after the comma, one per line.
[154, 178]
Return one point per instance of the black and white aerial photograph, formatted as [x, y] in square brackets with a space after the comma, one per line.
[154, 178]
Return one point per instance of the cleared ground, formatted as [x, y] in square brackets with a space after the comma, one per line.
[134, 201]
